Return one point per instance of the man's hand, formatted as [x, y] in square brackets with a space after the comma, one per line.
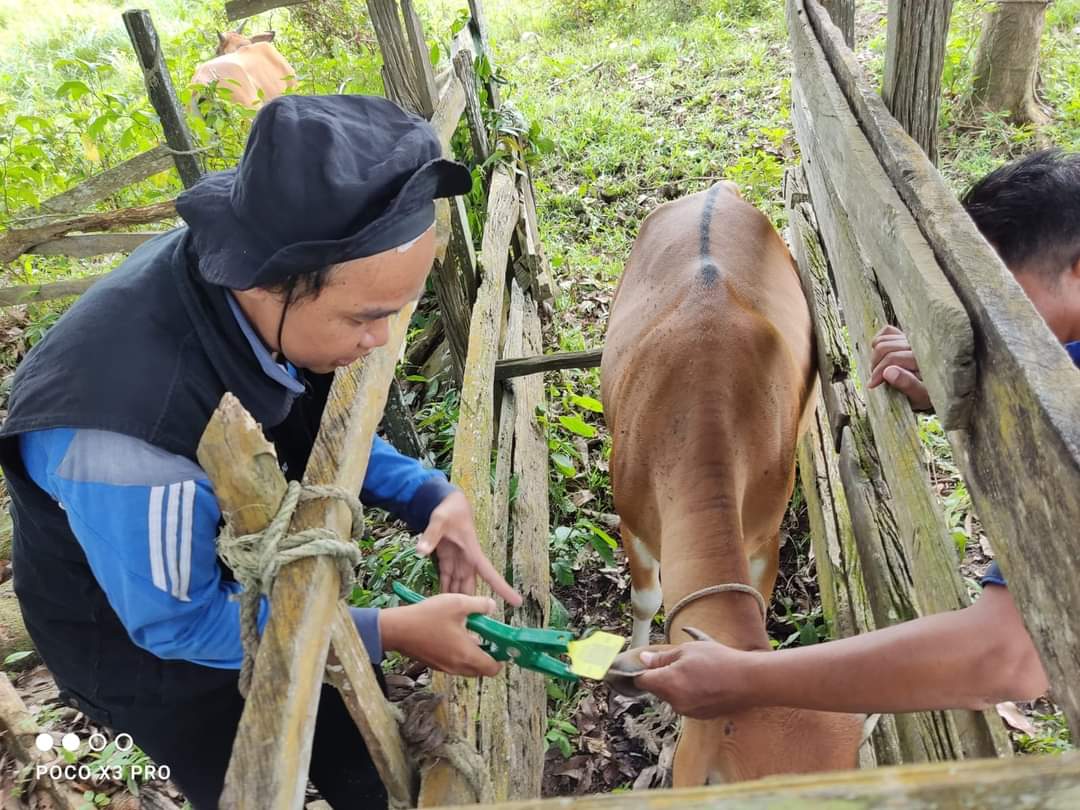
[894, 362]
[433, 632]
[700, 679]
[451, 534]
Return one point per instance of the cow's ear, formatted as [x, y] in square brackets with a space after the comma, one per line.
[267, 36]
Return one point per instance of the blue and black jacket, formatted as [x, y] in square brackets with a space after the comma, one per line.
[113, 553]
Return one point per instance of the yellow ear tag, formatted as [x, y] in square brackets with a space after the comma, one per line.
[591, 657]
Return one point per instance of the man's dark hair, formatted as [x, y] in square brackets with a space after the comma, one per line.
[1029, 210]
[302, 285]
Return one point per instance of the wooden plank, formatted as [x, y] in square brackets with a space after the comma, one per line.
[504, 446]
[463, 57]
[422, 346]
[844, 600]
[239, 9]
[272, 748]
[530, 569]
[19, 729]
[100, 186]
[423, 72]
[451, 273]
[471, 471]
[929, 311]
[159, 87]
[543, 285]
[447, 114]
[350, 670]
[34, 293]
[1043, 782]
[449, 284]
[482, 46]
[81, 246]
[14, 243]
[506, 369]
[496, 732]
[1027, 426]
[397, 63]
[918, 573]
[398, 424]
[883, 562]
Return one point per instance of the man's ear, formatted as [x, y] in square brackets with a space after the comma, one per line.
[266, 36]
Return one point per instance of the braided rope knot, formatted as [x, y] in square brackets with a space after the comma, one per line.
[255, 559]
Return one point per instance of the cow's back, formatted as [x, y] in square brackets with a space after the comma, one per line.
[251, 75]
[706, 365]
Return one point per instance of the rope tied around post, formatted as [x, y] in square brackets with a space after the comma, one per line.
[255, 559]
[428, 742]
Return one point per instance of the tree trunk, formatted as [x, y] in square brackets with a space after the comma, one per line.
[842, 13]
[1007, 61]
[914, 58]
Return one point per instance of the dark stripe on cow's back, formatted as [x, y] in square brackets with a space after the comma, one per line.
[709, 271]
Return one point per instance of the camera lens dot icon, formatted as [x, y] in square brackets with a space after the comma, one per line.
[43, 742]
[71, 742]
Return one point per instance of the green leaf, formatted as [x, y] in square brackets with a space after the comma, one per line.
[31, 123]
[603, 549]
[461, 21]
[577, 425]
[607, 538]
[808, 634]
[434, 53]
[16, 657]
[588, 403]
[98, 125]
[558, 615]
[73, 89]
[564, 574]
[562, 533]
[564, 464]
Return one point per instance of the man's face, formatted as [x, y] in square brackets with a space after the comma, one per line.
[350, 316]
[1057, 300]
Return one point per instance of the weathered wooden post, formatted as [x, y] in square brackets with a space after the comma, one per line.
[1022, 370]
[914, 60]
[842, 13]
[159, 87]
[239, 9]
[875, 251]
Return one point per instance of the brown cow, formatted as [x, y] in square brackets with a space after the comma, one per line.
[250, 70]
[707, 380]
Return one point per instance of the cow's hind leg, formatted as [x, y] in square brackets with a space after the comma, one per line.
[764, 566]
[645, 593]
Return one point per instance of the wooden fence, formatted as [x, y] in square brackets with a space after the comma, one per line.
[490, 310]
[880, 239]
[50, 230]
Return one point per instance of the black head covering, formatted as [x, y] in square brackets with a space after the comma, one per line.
[323, 179]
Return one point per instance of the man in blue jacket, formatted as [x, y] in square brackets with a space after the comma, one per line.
[289, 266]
[1029, 211]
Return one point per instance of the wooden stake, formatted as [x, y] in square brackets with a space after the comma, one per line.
[159, 87]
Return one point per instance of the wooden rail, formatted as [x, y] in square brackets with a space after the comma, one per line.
[159, 87]
[1023, 441]
[1044, 781]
